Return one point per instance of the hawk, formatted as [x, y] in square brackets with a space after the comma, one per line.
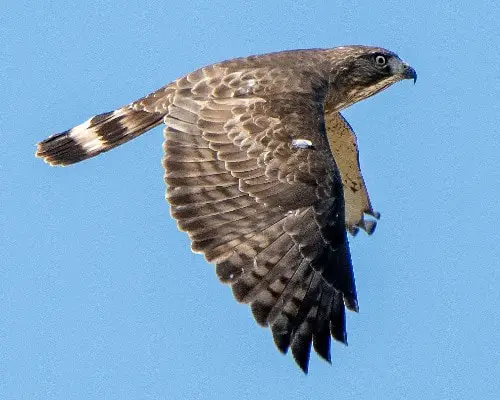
[262, 173]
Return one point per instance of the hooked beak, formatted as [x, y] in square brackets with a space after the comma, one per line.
[408, 72]
[402, 69]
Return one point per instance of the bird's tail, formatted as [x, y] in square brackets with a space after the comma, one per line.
[97, 135]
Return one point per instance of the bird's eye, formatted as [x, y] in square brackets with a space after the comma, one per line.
[380, 61]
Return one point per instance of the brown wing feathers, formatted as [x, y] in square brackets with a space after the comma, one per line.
[270, 216]
[232, 179]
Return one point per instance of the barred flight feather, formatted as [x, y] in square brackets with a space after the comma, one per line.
[263, 174]
[97, 135]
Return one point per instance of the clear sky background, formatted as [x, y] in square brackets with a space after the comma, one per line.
[100, 296]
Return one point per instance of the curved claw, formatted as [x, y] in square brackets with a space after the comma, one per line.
[368, 225]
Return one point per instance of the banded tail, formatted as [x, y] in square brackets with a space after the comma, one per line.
[97, 135]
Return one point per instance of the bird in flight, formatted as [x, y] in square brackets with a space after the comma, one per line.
[262, 173]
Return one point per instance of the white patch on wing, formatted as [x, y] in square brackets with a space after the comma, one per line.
[302, 144]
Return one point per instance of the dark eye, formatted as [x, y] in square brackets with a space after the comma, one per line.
[380, 60]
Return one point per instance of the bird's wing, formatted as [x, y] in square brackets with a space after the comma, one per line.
[344, 146]
[268, 212]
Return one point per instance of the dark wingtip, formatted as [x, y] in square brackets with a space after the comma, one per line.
[351, 303]
[321, 344]
[282, 341]
[344, 339]
[303, 364]
[339, 333]
[301, 349]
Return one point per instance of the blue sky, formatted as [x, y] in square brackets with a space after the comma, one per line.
[100, 296]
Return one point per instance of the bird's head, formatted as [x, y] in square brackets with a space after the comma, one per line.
[360, 72]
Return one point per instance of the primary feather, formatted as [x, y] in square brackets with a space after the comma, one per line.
[262, 173]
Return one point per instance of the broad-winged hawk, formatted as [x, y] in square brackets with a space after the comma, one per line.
[262, 172]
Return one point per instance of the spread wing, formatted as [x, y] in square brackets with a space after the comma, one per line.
[270, 215]
[344, 146]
